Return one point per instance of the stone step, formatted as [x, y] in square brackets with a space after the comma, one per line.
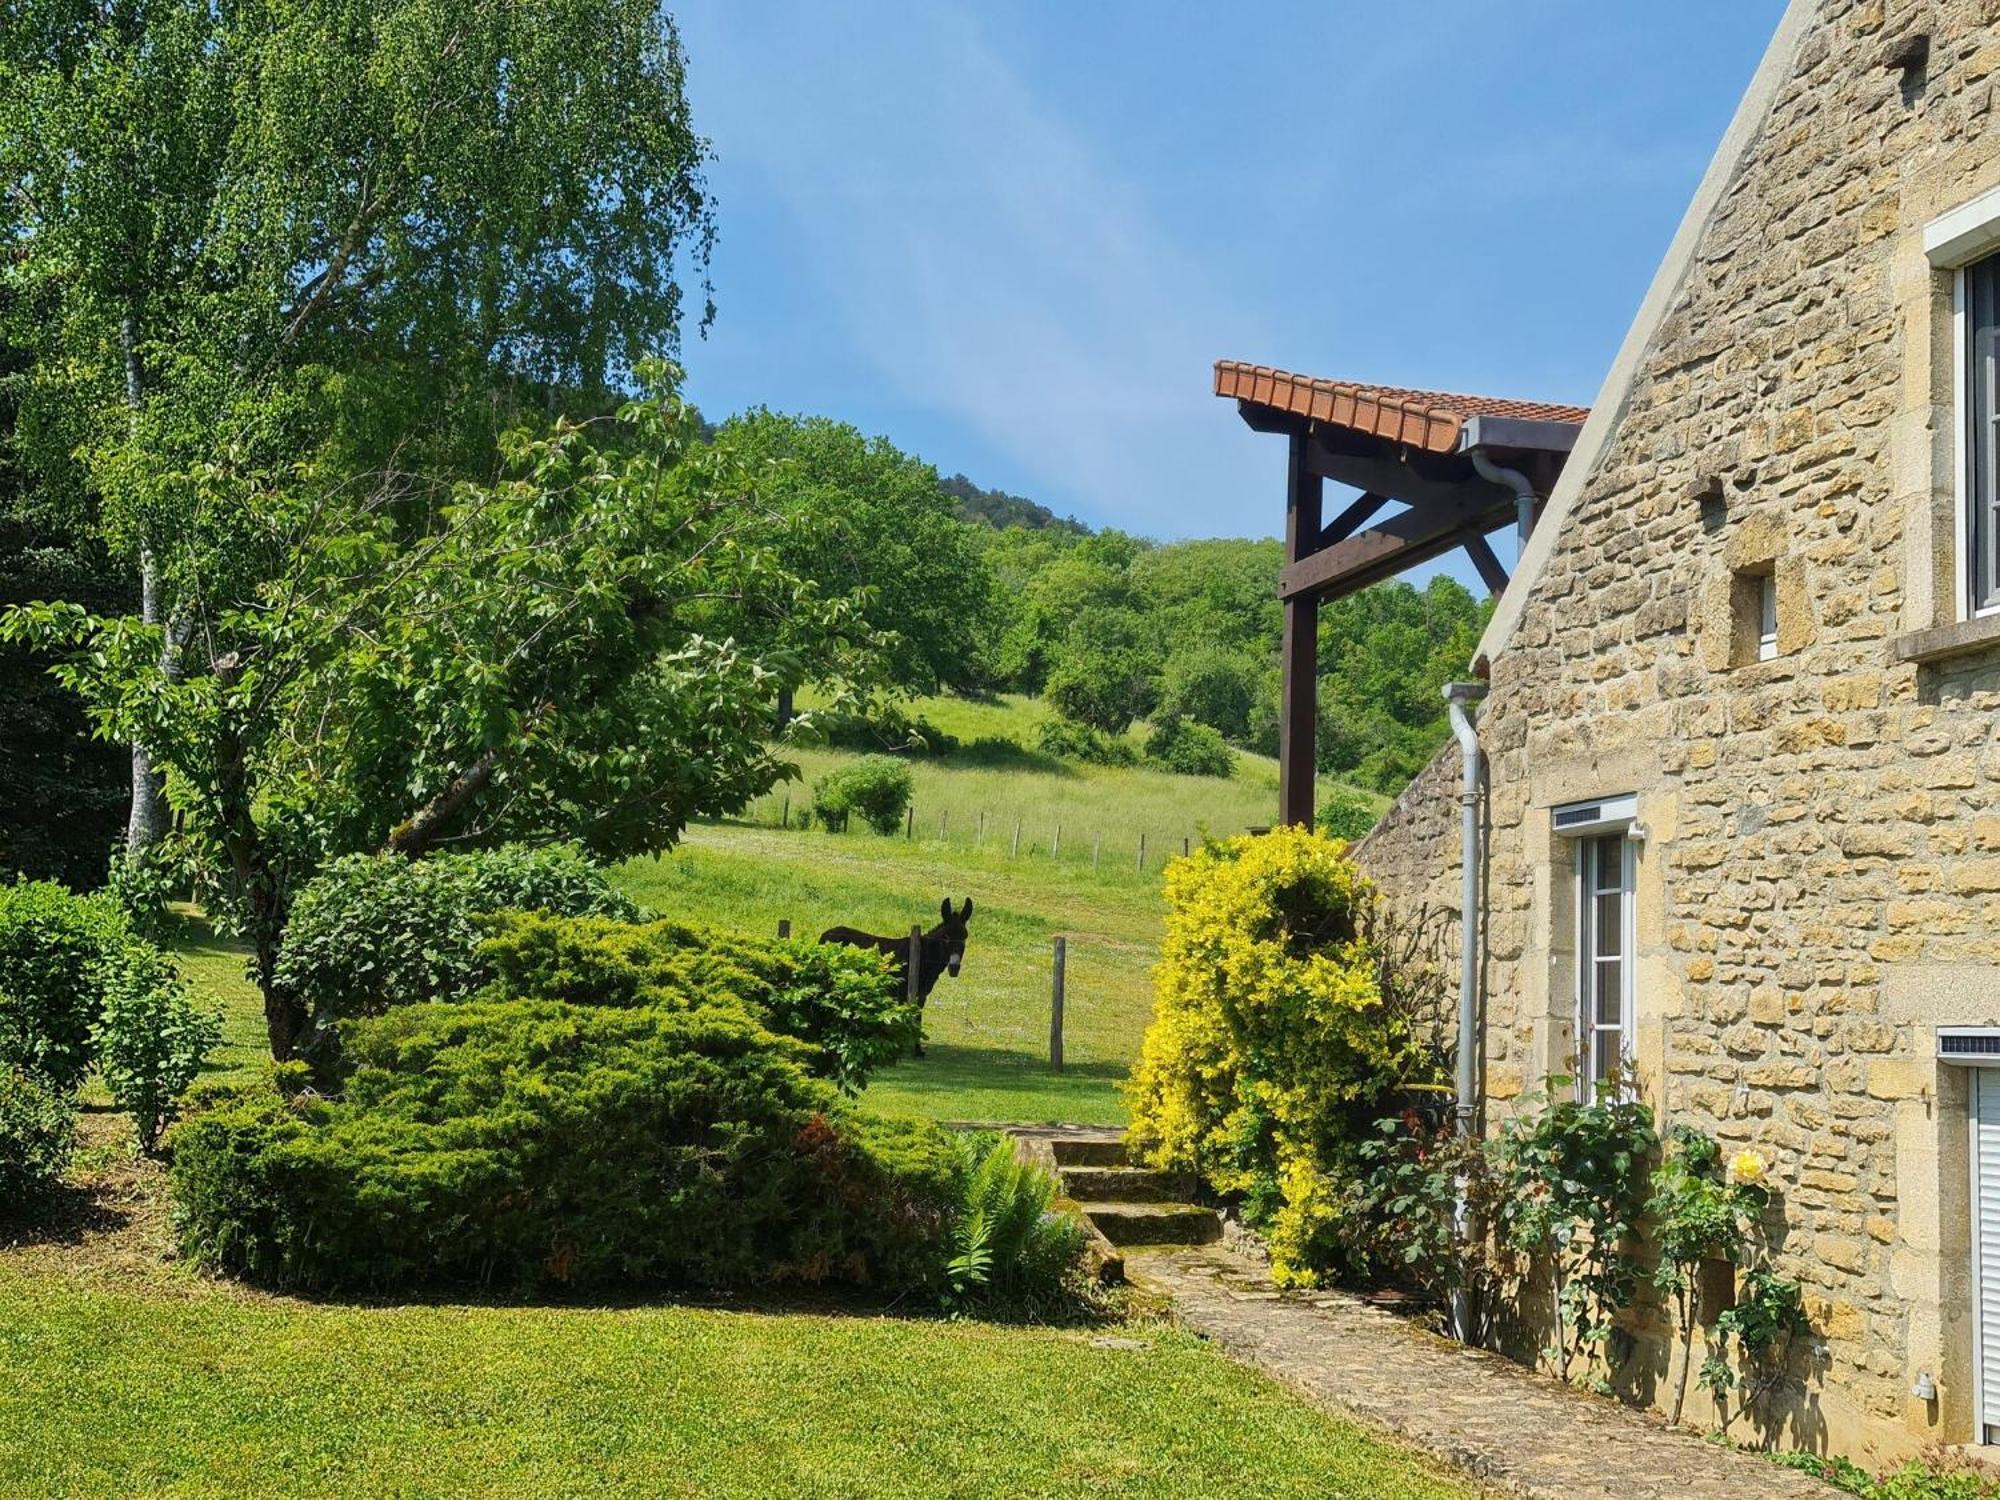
[1155, 1223]
[1088, 1151]
[1125, 1185]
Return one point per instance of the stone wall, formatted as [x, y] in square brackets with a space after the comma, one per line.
[1819, 884]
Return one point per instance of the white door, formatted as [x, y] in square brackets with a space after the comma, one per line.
[1986, 1247]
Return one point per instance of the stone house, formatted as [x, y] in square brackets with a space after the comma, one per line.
[1741, 814]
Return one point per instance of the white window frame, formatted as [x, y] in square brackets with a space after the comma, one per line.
[1955, 242]
[1767, 616]
[1583, 824]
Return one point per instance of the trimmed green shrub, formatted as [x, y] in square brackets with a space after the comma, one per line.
[848, 1003]
[56, 951]
[532, 1143]
[1073, 741]
[1347, 814]
[371, 931]
[152, 1038]
[1009, 1244]
[37, 1133]
[1189, 749]
[875, 788]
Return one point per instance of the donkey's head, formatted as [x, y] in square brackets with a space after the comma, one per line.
[951, 933]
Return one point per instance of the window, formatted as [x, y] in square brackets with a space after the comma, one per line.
[1979, 304]
[1767, 617]
[1604, 866]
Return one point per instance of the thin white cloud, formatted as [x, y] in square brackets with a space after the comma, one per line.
[984, 260]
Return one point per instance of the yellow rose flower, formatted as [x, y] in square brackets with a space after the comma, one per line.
[1747, 1168]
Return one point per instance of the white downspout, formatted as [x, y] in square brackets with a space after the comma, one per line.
[1525, 498]
[1461, 696]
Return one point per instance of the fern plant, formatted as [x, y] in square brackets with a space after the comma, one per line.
[1010, 1245]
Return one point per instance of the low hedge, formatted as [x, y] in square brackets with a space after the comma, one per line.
[847, 1003]
[532, 1144]
[37, 1134]
[371, 931]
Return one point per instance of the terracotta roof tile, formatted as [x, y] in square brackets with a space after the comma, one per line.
[1423, 419]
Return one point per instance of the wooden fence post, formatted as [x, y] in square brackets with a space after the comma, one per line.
[944, 824]
[785, 818]
[980, 837]
[1055, 849]
[1056, 1007]
[784, 928]
[910, 822]
[1096, 851]
[1017, 840]
[1141, 865]
[1184, 846]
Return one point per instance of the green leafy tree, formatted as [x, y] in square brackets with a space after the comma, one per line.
[880, 522]
[365, 232]
[537, 659]
[63, 794]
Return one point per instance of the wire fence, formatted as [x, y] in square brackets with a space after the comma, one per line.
[1102, 845]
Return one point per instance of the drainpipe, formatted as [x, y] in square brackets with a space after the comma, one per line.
[1525, 498]
[1462, 696]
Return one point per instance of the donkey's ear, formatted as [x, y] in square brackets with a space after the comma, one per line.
[966, 914]
[947, 908]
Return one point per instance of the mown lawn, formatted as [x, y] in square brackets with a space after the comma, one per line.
[197, 1390]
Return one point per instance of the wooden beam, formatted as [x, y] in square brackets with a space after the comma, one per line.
[1402, 541]
[1298, 691]
[1400, 480]
[1344, 525]
[1489, 567]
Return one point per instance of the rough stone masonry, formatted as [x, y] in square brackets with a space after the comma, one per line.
[1819, 881]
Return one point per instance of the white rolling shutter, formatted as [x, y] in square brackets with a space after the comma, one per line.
[1986, 1243]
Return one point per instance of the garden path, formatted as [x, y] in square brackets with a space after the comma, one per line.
[1510, 1428]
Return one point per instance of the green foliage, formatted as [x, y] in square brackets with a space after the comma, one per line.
[62, 794]
[1273, 1046]
[880, 523]
[1571, 1187]
[372, 931]
[1009, 1246]
[1070, 740]
[58, 954]
[1212, 685]
[1698, 1214]
[37, 1133]
[847, 1003]
[1942, 1478]
[1189, 749]
[1767, 1318]
[532, 1143]
[143, 885]
[153, 1039]
[549, 656]
[1401, 1221]
[876, 787]
[1345, 814]
[1104, 689]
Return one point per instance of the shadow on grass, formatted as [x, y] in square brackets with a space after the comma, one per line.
[66, 1214]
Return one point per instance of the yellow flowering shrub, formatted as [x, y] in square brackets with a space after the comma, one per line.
[1272, 1049]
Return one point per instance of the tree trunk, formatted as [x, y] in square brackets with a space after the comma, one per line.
[147, 823]
[785, 710]
[1687, 1353]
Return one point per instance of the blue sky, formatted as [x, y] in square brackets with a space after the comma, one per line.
[1014, 235]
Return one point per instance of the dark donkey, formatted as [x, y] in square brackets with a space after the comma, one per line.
[943, 951]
